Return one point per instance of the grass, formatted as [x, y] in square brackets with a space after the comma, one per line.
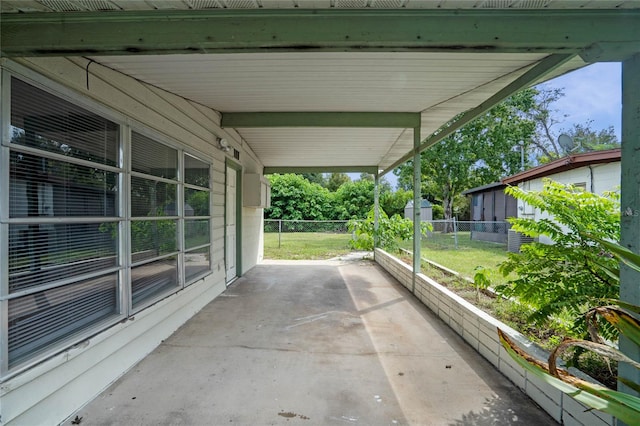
[440, 248]
[305, 245]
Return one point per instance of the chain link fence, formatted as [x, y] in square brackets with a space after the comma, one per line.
[446, 234]
[296, 229]
[455, 234]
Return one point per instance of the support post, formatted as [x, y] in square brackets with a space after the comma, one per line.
[376, 210]
[417, 204]
[630, 203]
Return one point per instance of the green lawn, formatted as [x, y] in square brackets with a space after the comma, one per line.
[466, 257]
[439, 248]
[305, 245]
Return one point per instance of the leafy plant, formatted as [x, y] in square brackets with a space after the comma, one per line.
[391, 230]
[577, 270]
[481, 280]
[624, 317]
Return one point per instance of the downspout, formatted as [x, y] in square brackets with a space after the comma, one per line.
[591, 185]
[417, 205]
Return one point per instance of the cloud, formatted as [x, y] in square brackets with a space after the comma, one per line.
[591, 93]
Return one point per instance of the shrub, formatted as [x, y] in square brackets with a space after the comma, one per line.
[391, 230]
[571, 275]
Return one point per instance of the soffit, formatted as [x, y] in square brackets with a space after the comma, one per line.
[438, 85]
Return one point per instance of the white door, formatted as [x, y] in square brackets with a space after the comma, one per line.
[230, 220]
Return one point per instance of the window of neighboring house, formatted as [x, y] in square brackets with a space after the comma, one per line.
[580, 185]
[63, 220]
[75, 216]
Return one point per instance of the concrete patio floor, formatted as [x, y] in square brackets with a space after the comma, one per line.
[314, 343]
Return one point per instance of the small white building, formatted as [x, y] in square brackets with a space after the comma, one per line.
[426, 213]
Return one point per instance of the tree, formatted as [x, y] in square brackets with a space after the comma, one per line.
[315, 178]
[586, 139]
[479, 153]
[354, 199]
[544, 143]
[336, 180]
[295, 198]
[366, 176]
[394, 202]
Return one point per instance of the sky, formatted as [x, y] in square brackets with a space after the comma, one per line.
[590, 93]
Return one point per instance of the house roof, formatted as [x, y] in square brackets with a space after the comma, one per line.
[329, 85]
[483, 188]
[564, 164]
[424, 204]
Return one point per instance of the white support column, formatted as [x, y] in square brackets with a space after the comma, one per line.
[630, 202]
[376, 209]
[417, 204]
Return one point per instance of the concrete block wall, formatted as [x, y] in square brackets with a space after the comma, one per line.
[479, 330]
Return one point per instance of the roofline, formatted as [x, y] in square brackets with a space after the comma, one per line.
[483, 187]
[564, 164]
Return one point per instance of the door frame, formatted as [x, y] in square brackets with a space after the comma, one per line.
[229, 164]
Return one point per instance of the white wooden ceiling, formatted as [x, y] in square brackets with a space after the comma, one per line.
[436, 84]
[439, 85]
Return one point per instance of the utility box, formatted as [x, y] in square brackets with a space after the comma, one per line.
[256, 190]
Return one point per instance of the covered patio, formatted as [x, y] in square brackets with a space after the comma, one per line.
[175, 101]
[314, 342]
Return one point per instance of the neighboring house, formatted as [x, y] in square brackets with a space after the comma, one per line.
[597, 172]
[490, 206]
[426, 213]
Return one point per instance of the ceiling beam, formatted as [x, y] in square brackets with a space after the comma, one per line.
[389, 120]
[226, 31]
[328, 169]
[542, 68]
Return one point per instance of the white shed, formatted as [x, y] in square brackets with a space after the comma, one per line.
[426, 213]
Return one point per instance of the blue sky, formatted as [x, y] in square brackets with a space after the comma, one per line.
[591, 93]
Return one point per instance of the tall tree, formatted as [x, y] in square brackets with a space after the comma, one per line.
[294, 198]
[354, 199]
[315, 178]
[479, 153]
[545, 146]
[336, 180]
[586, 139]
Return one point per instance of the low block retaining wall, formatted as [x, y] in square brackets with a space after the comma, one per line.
[479, 330]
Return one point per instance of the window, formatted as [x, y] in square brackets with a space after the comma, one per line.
[581, 186]
[197, 223]
[68, 221]
[63, 219]
[154, 219]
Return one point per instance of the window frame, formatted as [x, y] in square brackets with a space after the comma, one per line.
[123, 218]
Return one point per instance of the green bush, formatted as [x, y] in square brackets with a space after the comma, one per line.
[569, 276]
[391, 230]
